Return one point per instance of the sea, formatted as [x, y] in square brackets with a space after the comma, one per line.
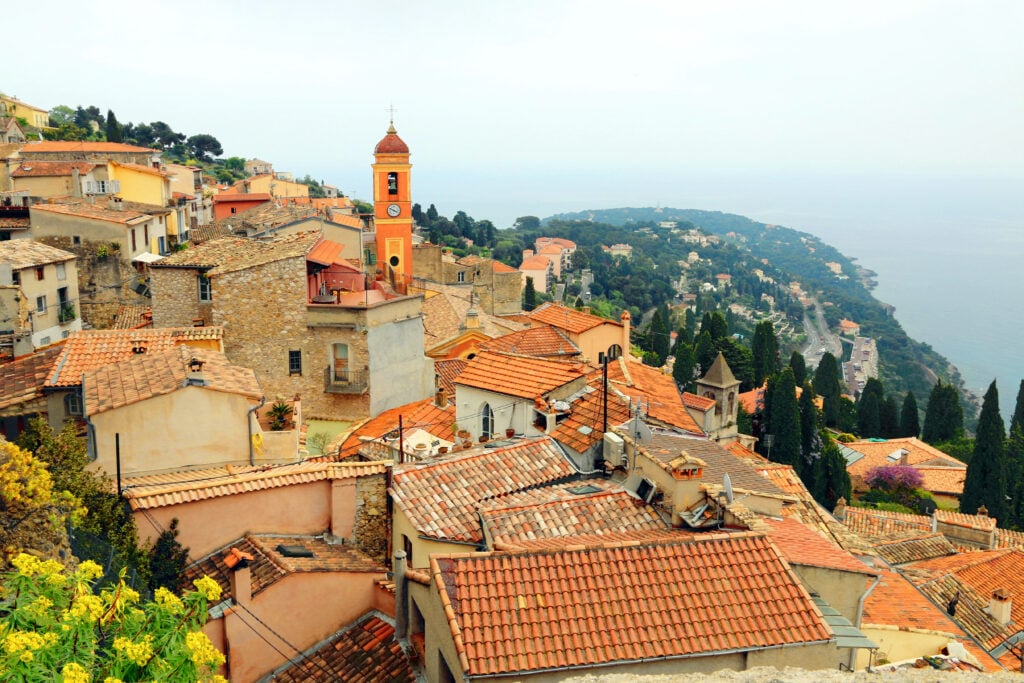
[948, 250]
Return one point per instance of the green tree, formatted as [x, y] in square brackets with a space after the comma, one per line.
[785, 421]
[910, 424]
[986, 473]
[165, 136]
[799, 365]
[826, 385]
[810, 437]
[705, 351]
[1015, 474]
[526, 223]
[62, 114]
[739, 359]
[659, 337]
[685, 363]
[1017, 419]
[832, 481]
[765, 352]
[714, 323]
[167, 559]
[113, 128]
[869, 425]
[943, 416]
[432, 213]
[529, 293]
[203, 147]
[889, 418]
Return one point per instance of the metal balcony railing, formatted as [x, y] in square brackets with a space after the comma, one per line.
[344, 381]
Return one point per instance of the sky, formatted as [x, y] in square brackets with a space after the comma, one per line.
[536, 107]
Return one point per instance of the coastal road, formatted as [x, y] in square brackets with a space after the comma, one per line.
[818, 338]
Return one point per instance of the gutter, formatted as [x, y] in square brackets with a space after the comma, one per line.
[860, 615]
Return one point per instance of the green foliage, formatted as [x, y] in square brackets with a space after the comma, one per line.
[944, 416]
[799, 366]
[869, 426]
[706, 352]
[961, 448]
[659, 338]
[113, 128]
[167, 559]
[826, 385]
[203, 147]
[765, 352]
[910, 424]
[56, 628]
[62, 114]
[739, 359]
[527, 223]
[832, 481]
[847, 415]
[280, 413]
[684, 366]
[784, 421]
[810, 433]
[529, 295]
[1017, 419]
[986, 473]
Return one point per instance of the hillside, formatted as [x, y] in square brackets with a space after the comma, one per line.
[906, 364]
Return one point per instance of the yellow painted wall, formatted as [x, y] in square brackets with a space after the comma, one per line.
[277, 188]
[40, 118]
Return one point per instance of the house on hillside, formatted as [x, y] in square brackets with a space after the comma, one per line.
[592, 334]
[45, 306]
[10, 131]
[942, 475]
[495, 287]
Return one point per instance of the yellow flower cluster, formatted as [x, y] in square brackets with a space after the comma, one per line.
[30, 565]
[27, 642]
[90, 570]
[209, 588]
[139, 653]
[39, 607]
[88, 606]
[111, 679]
[168, 600]
[75, 673]
[202, 650]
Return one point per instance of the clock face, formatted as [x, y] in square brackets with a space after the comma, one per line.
[394, 210]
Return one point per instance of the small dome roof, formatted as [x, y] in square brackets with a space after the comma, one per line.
[391, 143]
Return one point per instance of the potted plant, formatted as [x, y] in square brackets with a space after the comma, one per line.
[509, 433]
[280, 413]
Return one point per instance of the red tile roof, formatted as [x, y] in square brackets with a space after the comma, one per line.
[55, 146]
[524, 612]
[447, 370]
[41, 169]
[555, 511]
[568, 319]
[515, 375]
[133, 317]
[440, 497]
[877, 451]
[887, 525]
[148, 375]
[22, 379]
[543, 342]
[583, 427]
[698, 402]
[423, 415]
[139, 168]
[235, 198]
[903, 550]
[391, 143]
[656, 391]
[91, 349]
[800, 544]
[21, 254]
[979, 522]
[97, 212]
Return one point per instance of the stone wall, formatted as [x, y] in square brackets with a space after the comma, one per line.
[371, 524]
[176, 298]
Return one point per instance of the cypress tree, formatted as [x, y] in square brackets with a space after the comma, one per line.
[910, 424]
[529, 293]
[659, 337]
[765, 351]
[888, 418]
[706, 352]
[682, 370]
[1017, 420]
[986, 473]
[714, 323]
[833, 481]
[799, 365]
[785, 421]
[113, 128]
[1015, 475]
[826, 385]
[869, 424]
[944, 417]
[810, 437]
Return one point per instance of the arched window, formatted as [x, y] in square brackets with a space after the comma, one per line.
[487, 418]
[732, 403]
[392, 183]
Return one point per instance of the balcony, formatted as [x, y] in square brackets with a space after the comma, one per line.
[344, 381]
[66, 313]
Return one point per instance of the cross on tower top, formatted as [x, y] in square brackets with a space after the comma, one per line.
[391, 113]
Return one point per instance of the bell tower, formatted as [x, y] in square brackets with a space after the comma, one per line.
[392, 208]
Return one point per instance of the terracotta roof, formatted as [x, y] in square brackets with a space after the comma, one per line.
[139, 168]
[655, 390]
[520, 376]
[91, 349]
[558, 511]
[948, 480]
[229, 254]
[718, 462]
[739, 450]
[696, 402]
[391, 143]
[978, 522]
[882, 524]
[605, 538]
[536, 341]
[346, 220]
[365, 652]
[15, 223]
[575, 608]
[422, 414]
[98, 212]
[22, 379]
[800, 544]
[236, 197]
[269, 565]
[147, 375]
[557, 241]
[177, 488]
[499, 267]
[1009, 539]
[568, 319]
[440, 497]
[133, 317]
[583, 427]
[29, 254]
[897, 603]
[182, 195]
[903, 550]
[40, 169]
[534, 263]
[444, 314]
[447, 370]
[205, 233]
[56, 146]
[877, 453]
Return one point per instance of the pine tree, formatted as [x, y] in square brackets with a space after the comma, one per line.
[765, 351]
[799, 365]
[986, 473]
[785, 421]
[529, 293]
[910, 424]
[113, 129]
[714, 323]
[826, 385]
[944, 417]
[1015, 475]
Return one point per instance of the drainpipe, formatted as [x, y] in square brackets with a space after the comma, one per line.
[860, 616]
[401, 601]
[248, 422]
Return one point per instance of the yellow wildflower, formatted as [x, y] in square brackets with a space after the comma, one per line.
[90, 606]
[111, 679]
[24, 641]
[27, 565]
[75, 673]
[90, 570]
[139, 653]
[209, 588]
[168, 600]
[202, 650]
[39, 607]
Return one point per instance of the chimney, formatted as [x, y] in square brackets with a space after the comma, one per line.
[472, 320]
[999, 606]
[586, 309]
[527, 253]
[195, 377]
[904, 457]
[982, 511]
[116, 204]
[76, 183]
[624, 318]
[840, 510]
[401, 608]
[138, 346]
[440, 400]
[241, 575]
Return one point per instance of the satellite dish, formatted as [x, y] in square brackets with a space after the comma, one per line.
[727, 485]
[643, 432]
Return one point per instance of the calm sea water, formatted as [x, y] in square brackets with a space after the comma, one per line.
[949, 252]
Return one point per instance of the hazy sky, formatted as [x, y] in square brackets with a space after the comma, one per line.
[571, 104]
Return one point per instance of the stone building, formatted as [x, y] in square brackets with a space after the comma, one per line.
[497, 288]
[44, 308]
[297, 311]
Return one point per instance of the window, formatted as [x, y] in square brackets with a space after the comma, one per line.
[462, 276]
[62, 273]
[205, 288]
[76, 239]
[145, 234]
[73, 403]
[487, 415]
[234, 210]
[392, 183]
[162, 245]
[15, 278]
[41, 304]
[134, 247]
[295, 362]
[40, 273]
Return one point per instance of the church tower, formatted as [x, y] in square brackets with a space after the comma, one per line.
[722, 386]
[392, 208]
